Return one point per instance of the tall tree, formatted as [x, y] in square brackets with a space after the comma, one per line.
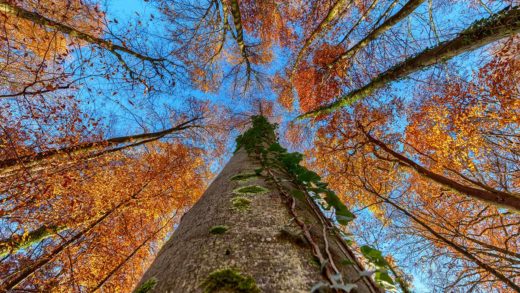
[128, 198]
[496, 27]
[90, 150]
[260, 205]
[432, 174]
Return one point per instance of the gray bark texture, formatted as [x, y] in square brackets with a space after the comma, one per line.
[262, 240]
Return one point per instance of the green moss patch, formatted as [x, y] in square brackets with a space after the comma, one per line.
[219, 229]
[250, 190]
[241, 203]
[22, 241]
[229, 279]
[244, 177]
[314, 261]
[147, 286]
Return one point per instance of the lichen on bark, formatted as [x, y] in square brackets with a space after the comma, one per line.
[244, 177]
[147, 286]
[250, 190]
[241, 203]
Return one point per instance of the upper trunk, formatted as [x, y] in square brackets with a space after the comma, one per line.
[247, 233]
[34, 17]
[36, 161]
[498, 26]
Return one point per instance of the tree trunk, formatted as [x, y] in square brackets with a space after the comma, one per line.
[496, 197]
[31, 162]
[34, 17]
[498, 26]
[407, 9]
[333, 14]
[246, 234]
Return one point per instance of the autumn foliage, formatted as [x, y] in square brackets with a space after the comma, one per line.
[465, 132]
[107, 136]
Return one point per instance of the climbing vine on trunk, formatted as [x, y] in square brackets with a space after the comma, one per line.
[260, 141]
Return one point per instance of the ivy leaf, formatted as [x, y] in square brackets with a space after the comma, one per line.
[309, 176]
[384, 277]
[343, 215]
[291, 160]
[381, 276]
[298, 194]
[384, 280]
[322, 185]
[276, 147]
[344, 219]
[374, 256]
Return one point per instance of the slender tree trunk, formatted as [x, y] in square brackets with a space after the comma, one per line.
[19, 276]
[29, 162]
[496, 198]
[408, 8]
[248, 232]
[239, 37]
[8, 8]
[458, 248]
[333, 14]
[500, 25]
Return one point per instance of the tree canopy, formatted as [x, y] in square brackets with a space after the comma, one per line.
[115, 116]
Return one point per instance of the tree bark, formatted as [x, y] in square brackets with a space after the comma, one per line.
[500, 25]
[254, 236]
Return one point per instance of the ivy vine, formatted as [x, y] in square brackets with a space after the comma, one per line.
[261, 141]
